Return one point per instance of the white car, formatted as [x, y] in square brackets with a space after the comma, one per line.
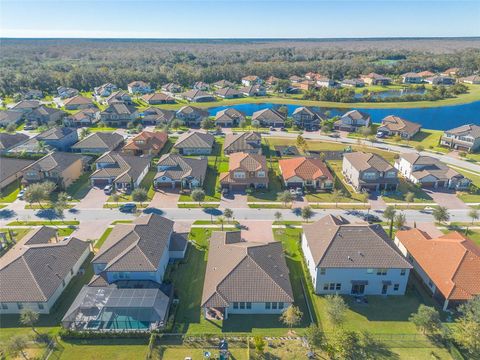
[20, 194]
[428, 209]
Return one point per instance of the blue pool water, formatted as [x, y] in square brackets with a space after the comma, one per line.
[438, 118]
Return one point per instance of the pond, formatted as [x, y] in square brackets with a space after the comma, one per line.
[437, 118]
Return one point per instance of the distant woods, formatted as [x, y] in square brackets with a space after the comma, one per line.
[84, 64]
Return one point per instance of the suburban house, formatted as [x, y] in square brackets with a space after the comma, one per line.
[440, 80]
[128, 282]
[307, 118]
[305, 85]
[118, 114]
[269, 117]
[412, 78]
[139, 87]
[8, 117]
[60, 168]
[272, 80]
[394, 125]
[294, 79]
[38, 268]
[223, 84]
[465, 138]
[448, 265]
[32, 94]
[247, 142]
[66, 92]
[192, 115]
[353, 259]
[158, 98]
[195, 143]
[197, 96]
[253, 90]
[26, 106]
[370, 172]
[60, 138]
[428, 171]
[118, 96]
[324, 81]
[228, 93]
[229, 117]
[146, 143]
[105, 89]
[82, 118]
[451, 72]
[155, 116]
[251, 80]
[171, 88]
[125, 172]
[44, 115]
[303, 172]
[12, 170]
[200, 85]
[31, 146]
[375, 79]
[473, 79]
[8, 141]
[352, 83]
[179, 171]
[98, 143]
[352, 121]
[78, 102]
[244, 277]
[245, 171]
[425, 74]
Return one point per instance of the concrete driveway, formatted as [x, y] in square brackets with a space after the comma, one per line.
[94, 199]
[257, 231]
[234, 200]
[165, 198]
[446, 198]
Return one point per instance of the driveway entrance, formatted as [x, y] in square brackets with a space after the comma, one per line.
[446, 198]
[165, 198]
[94, 199]
[234, 200]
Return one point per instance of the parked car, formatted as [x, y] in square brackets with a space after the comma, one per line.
[272, 128]
[427, 209]
[370, 218]
[128, 208]
[20, 194]
[293, 192]
[299, 191]
[225, 191]
[108, 189]
[380, 134]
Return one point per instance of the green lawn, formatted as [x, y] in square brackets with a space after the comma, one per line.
[147, 184]
[10, 192]
[80, 187]
[403, 188]
[470, 197]
[101, 240]
[46, 223]
[475, 236]
[176, 353]
[108, 349]
[275, 185]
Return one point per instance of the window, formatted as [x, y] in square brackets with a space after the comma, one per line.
[281, 305]
[274, 305]
[369, 271]
[323, 271]
[242, 305]
[19, 306]
[369, 175]
[40, 306]
[268, 305]
[261, 174]
[4, 306]
[382, 272]
[332, 286]
[235, 305]
[325, 286]
[403, 272]
[338, 286]
[396, 287]
[249, 305]
[239, 175]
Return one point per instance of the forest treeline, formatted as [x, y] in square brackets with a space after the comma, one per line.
[84, 64]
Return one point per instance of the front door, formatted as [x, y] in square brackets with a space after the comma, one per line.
[384, 289]
[358, 289]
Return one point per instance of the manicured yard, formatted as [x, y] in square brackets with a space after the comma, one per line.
[403, 188]
[275, 185]
[465, 196]
[101, 240]
[80, 187]
[10, 192]
[121, 349]
[46, 223]
[175, 353]
[147, 184]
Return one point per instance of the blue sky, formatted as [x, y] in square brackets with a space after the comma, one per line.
[238, 18]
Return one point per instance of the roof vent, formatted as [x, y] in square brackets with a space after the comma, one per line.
[48, 266]
[349, 258]
[360, 253]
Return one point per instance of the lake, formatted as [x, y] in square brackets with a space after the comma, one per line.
[438, 118]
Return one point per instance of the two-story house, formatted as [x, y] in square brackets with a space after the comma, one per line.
[191, 115]
[370, 172]
[245, 171]
[66, 92]
[118, 114]
[307, 118]
[60, 138]
[118, 96]
[302, 172]
[139, 87]
[105, 89]
[58, 167]
[178, 171]
[44, 115]
[352, 121]
[195, 143]
[156, 116]
[98, 143]
[269, 117]
[247, 142]
[82, 118]
[465, 138]
[353, 259]
[146, 143]
[253, 90]
[430, 172]
[251, 80]
[229, 117]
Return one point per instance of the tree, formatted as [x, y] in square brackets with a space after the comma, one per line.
[301, 142]
[259, 345]
[426, 319]
[291, 316]
[389, 214]
[28, 317]
[314, 337]
[336, 309]
[285, 197]
[38, 192]
[473, 214]
[365, 131]
[176, 124]
[84, 132]
[344, 345]
[409, 197]
[467, 329]
[256, 124]
[17, 345]
[60, 204]
[207, 124]
[11, 128]
[336, 196]
[278, 215]
[440, 214]
[419, 148]
[307, 213]
[221, 220]
[198, 195]
[139, 195]
[399, 221]
[242, 124]
[365, 196]
[228, 213]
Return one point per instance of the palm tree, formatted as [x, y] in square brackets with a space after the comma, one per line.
[336, 195]
[228, 213]
[389, 214]
[400, 220]
[221, 220]
[28, 317]
[440, 214]
[278, 215]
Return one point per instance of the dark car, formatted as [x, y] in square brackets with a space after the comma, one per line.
[370, 218]
[128, 208]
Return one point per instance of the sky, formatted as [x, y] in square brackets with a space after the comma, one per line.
[239, 18]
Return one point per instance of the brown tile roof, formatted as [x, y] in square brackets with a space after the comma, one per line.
[242, 142]
[78, 100]
[395, 123]
[158, 115]
[304, 168]
[341, 244]
[56, 133]
[227, 91]
[468, 129]
[124, 168]
[430, 166]
[244, 271]
[426, 73]
[268, 116]
[180, 167]
[451, 261]
[11, 166]
[363, 161]
[152, 140]
[195, 139]
[9, 140]
[248, 163]
[58, 161]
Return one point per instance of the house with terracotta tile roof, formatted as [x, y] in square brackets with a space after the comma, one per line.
[245, 171]
[305, 172]
[146, 143]
[375, 79]
[448, 265]
[425, 74]
[451, 72]
[251, 80]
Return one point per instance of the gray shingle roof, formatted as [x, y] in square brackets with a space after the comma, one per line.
[11, 166]
[430, 166]
[32, 272]
[340, 244]
[195, 139]
[100, 140]
[56, 133]
[268, 116]
[125, 168]
[136, 247]
[58, 161]
[242, 142]
[9, 140]
[119, 108]
[363, 161]
[181, 167]
[245, 271]
[469, 129]
[10, 117]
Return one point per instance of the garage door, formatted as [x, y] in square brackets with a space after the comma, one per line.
[100, 182]
[238, 187]
[294, 185]
[428, 184]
